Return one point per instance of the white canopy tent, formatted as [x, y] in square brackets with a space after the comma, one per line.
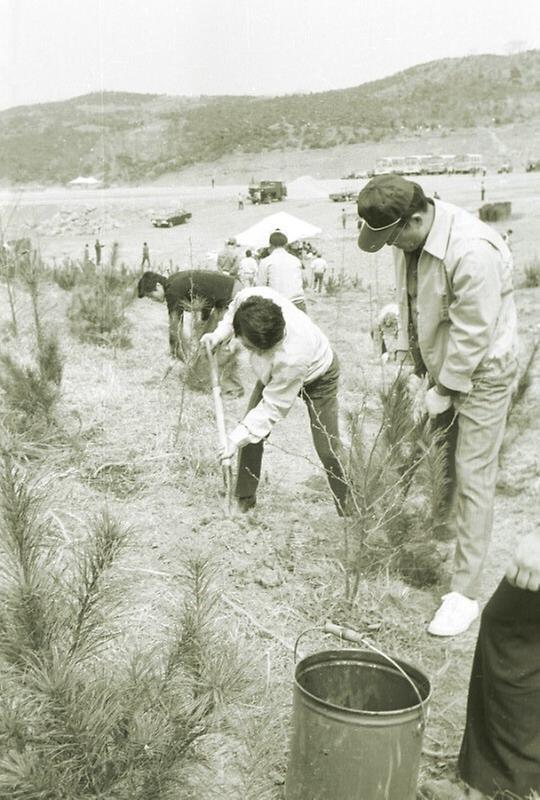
[88, 182]
[294, 229]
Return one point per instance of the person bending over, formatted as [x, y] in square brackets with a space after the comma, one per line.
[291, 357]
[180, 289]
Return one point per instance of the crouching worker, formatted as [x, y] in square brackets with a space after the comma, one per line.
[290, 356]
[213, 291]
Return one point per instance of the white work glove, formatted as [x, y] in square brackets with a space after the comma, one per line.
[209, 338]
[236, 439]
[524, 571]
[437, 403]
[417, 388]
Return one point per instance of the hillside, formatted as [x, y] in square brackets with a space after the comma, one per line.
[132, 137]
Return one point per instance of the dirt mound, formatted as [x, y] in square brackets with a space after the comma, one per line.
[305, 187]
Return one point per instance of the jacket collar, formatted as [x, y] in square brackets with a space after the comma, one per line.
[437, 240]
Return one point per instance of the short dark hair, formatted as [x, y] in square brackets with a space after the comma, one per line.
[248, 253]
[419, 202]
[260, 321]
[147, 283]
[278, 239]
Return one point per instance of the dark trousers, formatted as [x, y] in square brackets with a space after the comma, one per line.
[320, 397]
[500, 751]
[318, 282]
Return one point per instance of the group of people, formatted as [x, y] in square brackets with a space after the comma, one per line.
[457, 322]
[457, 326]
[286, 267]
[98, 247]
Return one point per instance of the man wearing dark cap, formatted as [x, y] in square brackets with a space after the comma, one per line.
[282, 271]
[458, 321]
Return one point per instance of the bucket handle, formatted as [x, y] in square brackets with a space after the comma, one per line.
[351, 635]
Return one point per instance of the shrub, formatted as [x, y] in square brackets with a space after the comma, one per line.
[80, 717]
[29, 393]
[494, 212]
[398, 484]
[339, 282]
[68, 274]
[532, 274]
[73, 273]
[98, 315]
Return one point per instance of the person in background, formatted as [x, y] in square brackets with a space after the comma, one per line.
[212, 292]
[482, 191]
[458, 322]
[308, 255]
[86, 255]
[248, 269]
[240, 201]
[319, 267]
[507, 237]
[282, 271]
[228, 260]
[343, 218]
[291, 357]
[500, 750]
[98, 247]
[145, 255]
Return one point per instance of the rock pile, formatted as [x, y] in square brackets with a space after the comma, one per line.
[85, 220]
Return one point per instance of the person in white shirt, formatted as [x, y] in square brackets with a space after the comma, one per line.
[291, 357]
[282, 271]
[319, 267]
[248, 270]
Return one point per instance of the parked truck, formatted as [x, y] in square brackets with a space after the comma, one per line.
[267, 192]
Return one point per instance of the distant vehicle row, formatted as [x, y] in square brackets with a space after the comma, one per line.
[470, 164]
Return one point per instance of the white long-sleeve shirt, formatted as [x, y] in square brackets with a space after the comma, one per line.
[302, 356]
[283, 272]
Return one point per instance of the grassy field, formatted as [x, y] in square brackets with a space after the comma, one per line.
[134, 440]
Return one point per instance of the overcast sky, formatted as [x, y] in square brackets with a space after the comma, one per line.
[56, 49]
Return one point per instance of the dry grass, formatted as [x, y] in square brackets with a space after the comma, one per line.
[151, 457]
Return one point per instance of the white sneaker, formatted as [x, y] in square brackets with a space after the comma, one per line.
[454, 615]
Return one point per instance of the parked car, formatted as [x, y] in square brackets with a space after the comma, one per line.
[344, 196]
[177, 218]
[506, 167]
[351, 175]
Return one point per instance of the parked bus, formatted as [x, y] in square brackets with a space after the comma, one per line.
[469, 164]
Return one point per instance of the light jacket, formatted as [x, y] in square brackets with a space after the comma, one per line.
[466, 314]
[302, 356]
[283, 272]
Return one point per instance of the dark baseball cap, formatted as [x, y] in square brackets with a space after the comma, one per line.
[382, 204]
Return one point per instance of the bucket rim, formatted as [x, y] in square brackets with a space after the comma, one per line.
[381, 662]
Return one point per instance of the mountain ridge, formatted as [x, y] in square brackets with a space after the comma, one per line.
[129, 136]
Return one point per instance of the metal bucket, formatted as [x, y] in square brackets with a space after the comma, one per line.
[358, 721]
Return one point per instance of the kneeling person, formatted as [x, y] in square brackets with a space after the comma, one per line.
[290, 356]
